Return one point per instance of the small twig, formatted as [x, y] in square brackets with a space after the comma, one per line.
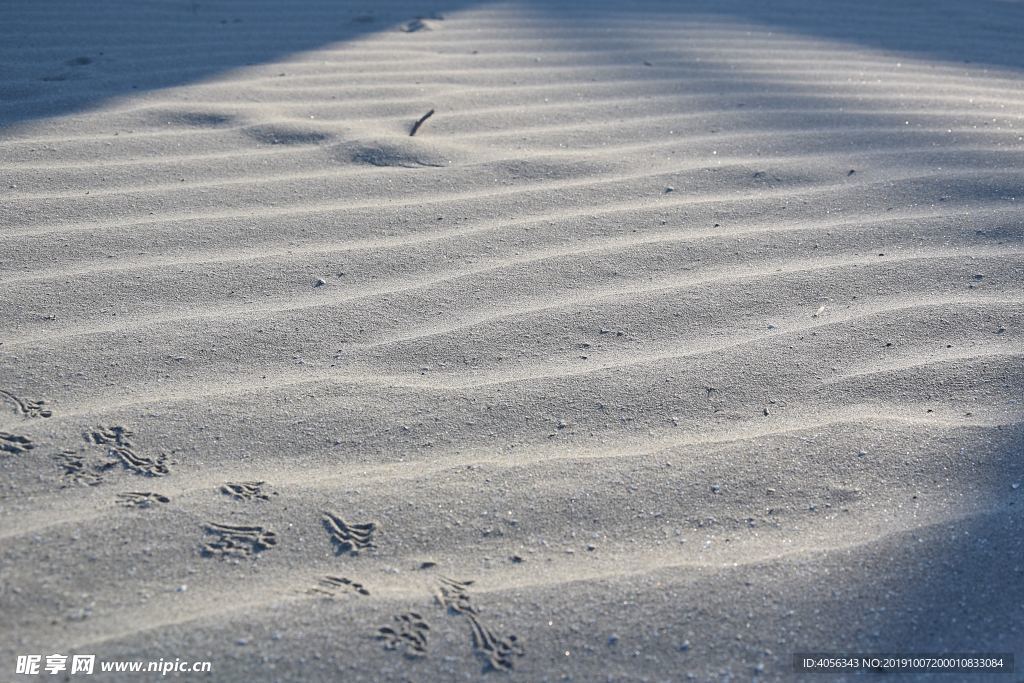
[416, 126]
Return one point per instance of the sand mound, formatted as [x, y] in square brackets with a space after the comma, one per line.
[395, 153]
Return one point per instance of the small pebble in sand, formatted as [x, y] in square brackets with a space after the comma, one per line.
[669, 189]
[319, 282]
[516, 559]
[242, 641]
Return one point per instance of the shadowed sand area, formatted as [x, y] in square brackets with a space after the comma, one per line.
[683, 336]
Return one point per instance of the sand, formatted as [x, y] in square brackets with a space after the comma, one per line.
[680, 338]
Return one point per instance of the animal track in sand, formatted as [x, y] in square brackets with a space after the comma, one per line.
[237, 541]
[139, 499]
[245, 490]
[78, 471]
[27, 406]
[499, 653]
[411, 631]
[140, 465]
[349, 538]
[109, 436]
[15, 444]
[333, 586]
[116, 439]
[454, 595]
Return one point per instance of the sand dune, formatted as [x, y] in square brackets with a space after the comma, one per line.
[681, 338]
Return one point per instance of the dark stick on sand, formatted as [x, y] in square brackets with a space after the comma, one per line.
[416, 126]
